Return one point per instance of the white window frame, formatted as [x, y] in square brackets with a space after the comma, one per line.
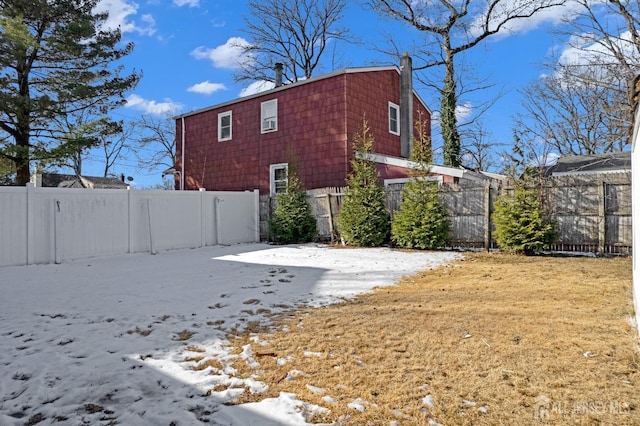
[272, 177]
[395, 108]
[220, 127]
[269, 116]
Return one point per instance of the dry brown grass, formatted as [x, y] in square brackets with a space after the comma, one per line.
[493, 339]
[183, 335]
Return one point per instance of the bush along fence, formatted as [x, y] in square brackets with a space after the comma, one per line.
[592, 213]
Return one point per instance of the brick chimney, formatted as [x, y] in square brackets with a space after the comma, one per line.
[278, 68]
[406, 106]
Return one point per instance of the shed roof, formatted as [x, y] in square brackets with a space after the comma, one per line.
[613, 162]
[57, 180]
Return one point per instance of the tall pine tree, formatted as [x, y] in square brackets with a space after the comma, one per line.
[422, 222]
[363, 219]
[56, 58]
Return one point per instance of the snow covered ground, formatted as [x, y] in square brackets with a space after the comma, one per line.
[114, 340]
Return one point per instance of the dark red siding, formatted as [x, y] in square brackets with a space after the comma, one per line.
[317, 121]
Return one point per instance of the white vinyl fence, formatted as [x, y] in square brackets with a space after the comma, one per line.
[46, 225]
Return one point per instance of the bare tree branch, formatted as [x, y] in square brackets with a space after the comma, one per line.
[452, 28]
[295, 33]
[157, 145]
[587, 102]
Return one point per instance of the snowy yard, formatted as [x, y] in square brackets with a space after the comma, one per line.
[111, 340]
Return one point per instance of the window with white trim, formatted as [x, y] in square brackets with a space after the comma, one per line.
[278, 178]
[225, 120]
[394, 118]
[269, 116]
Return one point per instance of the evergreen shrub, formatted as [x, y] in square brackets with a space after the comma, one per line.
[292, 221]
[363, 219]
[422, 221]
[520, 226]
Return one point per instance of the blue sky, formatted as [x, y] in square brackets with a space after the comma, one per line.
[184, 50]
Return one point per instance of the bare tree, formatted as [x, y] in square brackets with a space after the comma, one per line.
[114, 146]
[575, 114]
[595, 77]
[452, 28]
[529, 156]
[157, 145]
[79, 131]
[295, 33]
[479, 151]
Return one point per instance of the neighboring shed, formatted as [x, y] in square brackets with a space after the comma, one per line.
[616, 162]
[57, 180]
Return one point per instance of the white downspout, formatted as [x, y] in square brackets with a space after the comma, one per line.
[184, 131]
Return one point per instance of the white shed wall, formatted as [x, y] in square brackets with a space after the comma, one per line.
[635, 209]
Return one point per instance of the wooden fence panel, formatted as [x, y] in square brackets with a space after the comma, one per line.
[592, 213]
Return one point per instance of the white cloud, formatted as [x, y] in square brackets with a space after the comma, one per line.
[588, 49]
[121, 14]
[206, 87]
[588, 54]
[190, 3]
[152, 107]
[463, 111]
[257, 87]
[552, 15]
[228, 55]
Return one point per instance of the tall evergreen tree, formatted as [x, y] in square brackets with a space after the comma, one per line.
[363, 219]
[422, 222]
[56, 58]
[521, 225]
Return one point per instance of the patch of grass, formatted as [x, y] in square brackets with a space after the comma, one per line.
[193, 359]
[35, 419]
[494, 339]
[141, 331]
[183, 335]
[93, 408]
[209, 362]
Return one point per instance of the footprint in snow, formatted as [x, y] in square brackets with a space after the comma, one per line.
[217, 306]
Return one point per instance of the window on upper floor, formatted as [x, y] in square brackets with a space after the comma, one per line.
[225, 126]
[269, 116]
[394, 118]
[278, 178]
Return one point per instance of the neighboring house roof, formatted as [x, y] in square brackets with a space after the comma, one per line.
[615, 162]
[56, 180]
[303, 82]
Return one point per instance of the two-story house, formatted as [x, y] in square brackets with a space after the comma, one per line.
[251, 142]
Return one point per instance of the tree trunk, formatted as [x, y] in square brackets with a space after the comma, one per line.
[448, 122]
